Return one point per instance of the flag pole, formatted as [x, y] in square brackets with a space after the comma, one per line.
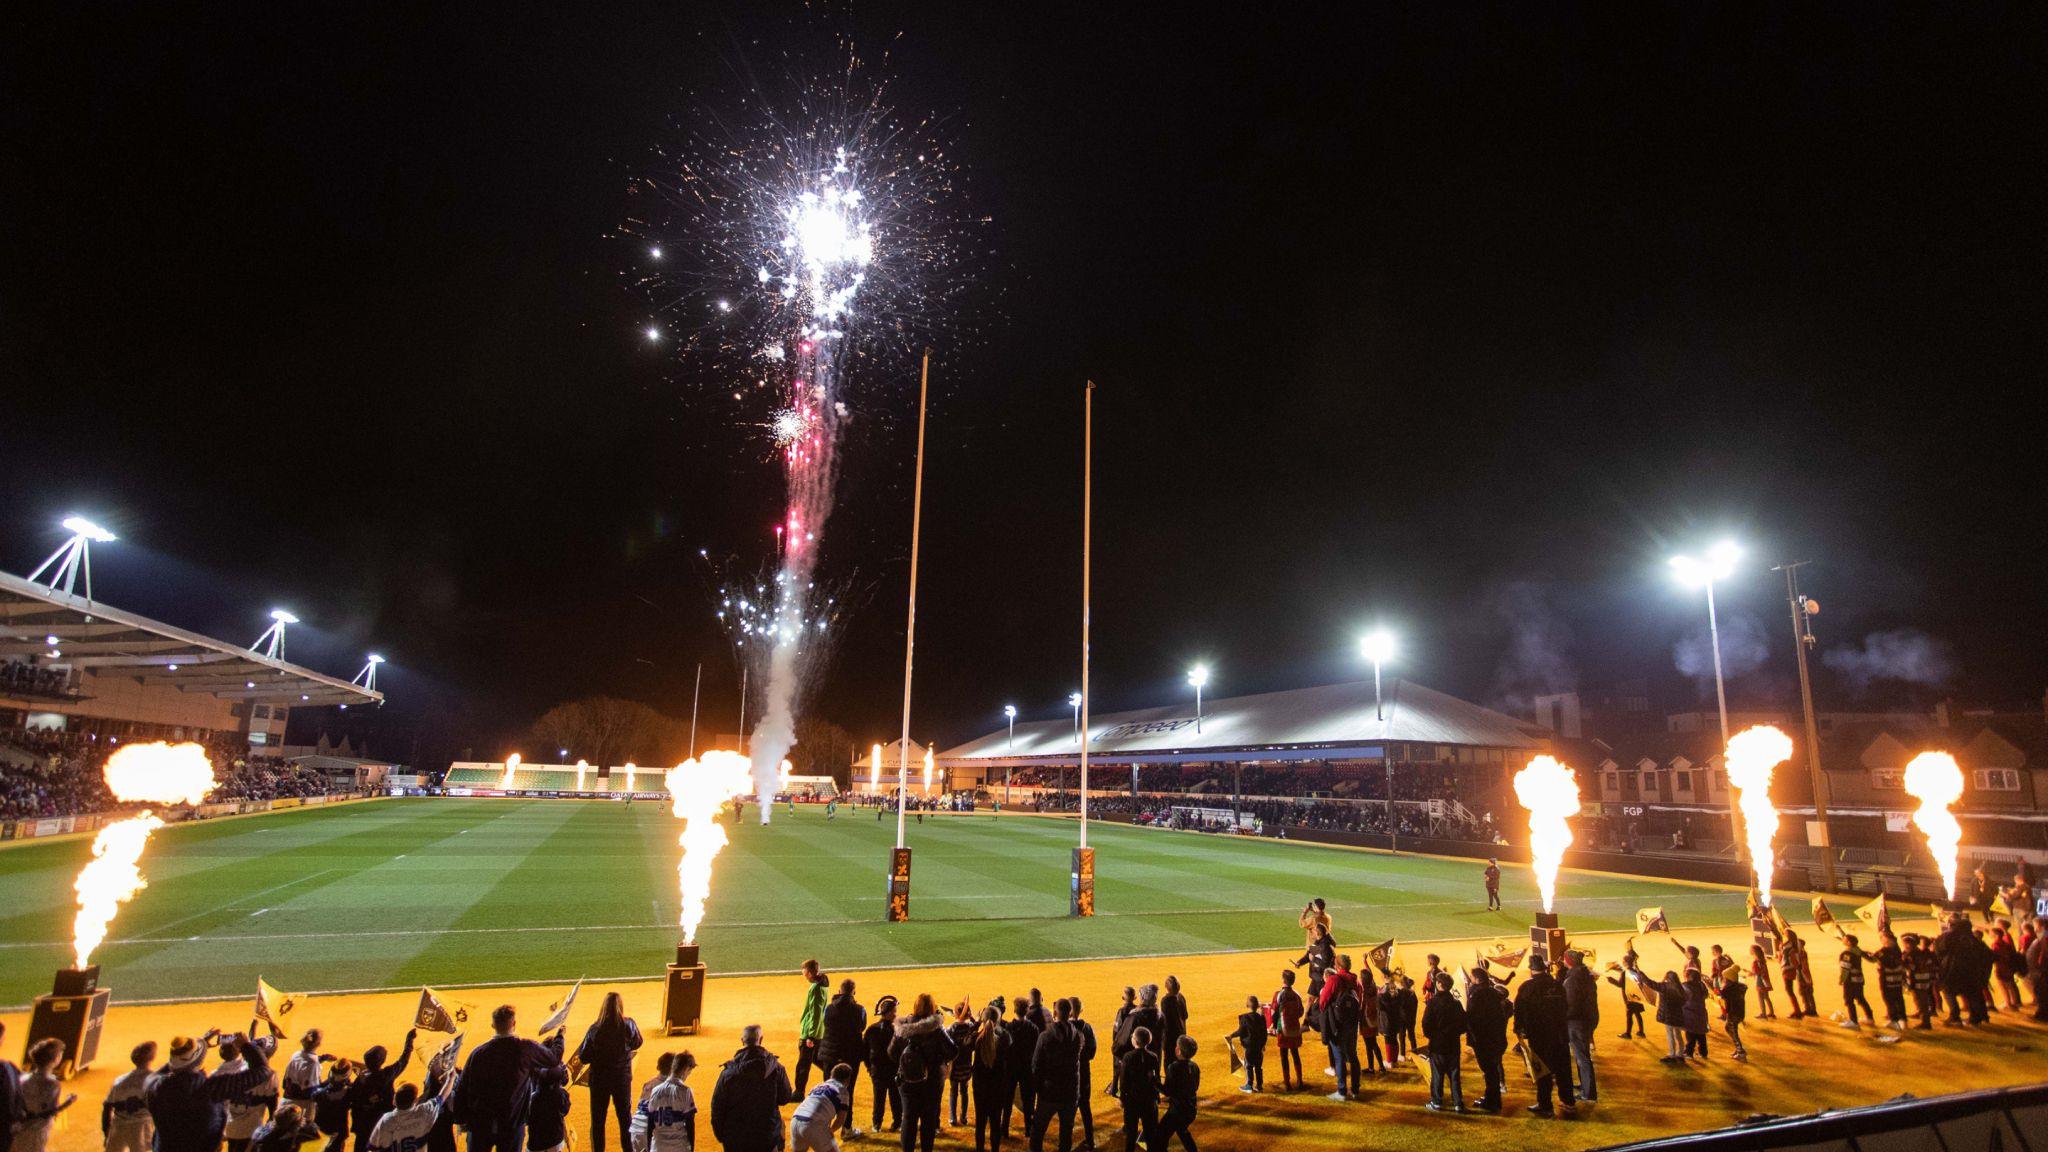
[899, 862]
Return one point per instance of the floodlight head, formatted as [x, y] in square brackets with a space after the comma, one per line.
[282, 616]
[80, 526]
[1377, 646]
[1074, 700]
[1198, 675]
[1010, 710]
[376, 659]
[1719, 564]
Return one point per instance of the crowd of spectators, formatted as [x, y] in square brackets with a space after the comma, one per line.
[47, 774]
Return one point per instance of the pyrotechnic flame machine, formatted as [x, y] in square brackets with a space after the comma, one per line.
[155, 773]
[1549, 790]
[698, 789]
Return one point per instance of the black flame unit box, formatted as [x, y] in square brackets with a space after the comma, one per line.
[1546, 939]
[682, 998]
[73, 1012]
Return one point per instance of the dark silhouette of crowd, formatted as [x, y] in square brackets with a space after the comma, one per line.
[47, 775]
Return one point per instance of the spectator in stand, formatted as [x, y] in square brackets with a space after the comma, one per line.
[746, 1103]
[496, 1086]
[124, 1117]
[189, 1107]
[607, 1055]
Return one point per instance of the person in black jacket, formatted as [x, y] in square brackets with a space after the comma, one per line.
[188, 1107]
[1120, 1037]
[882, 1070]
[1486, 1029]
[922, 1051]
[496, 1086]
[370, 1096]
[1251, 1034]
[1085, 1075]
[330, 1105]
[1056, 1072]
[1173, 1017]
[846, 1023]
[1540, 1022]
[1182, 1086]
[1321, 954]
[1582, 1021]
[1443, 1026]
[1023, 1089]
[989, 1056]
[607, 1055]
[10, 1099]
[746, 1103]
[1137, 1089]
[547, 1111]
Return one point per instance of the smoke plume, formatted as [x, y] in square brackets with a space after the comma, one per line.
[1904, 655]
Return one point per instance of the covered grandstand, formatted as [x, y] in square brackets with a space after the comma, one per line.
[74, 668]
[497, 778]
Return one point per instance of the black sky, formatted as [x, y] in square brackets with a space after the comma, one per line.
[1458, 317]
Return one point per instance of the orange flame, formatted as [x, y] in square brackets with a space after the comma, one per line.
[1752, 755]
[1934, 779]
[927, 770]
[875, 772]
[698, 790]
[155, 773]
[511, 766]
[1550, 792]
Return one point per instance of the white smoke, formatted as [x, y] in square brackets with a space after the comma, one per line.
[1904, 655]
[1742, 650]
[776, 734]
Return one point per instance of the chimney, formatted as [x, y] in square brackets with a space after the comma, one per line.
[1941, 714]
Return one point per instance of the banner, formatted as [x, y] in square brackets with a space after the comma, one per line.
[273, 1007]
[1382, 957]
[558, 1012]
[1876, 914]
[433, 1016]
[1502, 955]
[1651, 920]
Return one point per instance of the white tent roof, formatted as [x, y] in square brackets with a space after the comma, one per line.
[1333, 721]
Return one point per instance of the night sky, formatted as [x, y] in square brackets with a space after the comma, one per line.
[1457, 318]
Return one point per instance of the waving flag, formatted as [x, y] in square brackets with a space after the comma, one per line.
[1876, 914]
[273, 1007]
[558, 1012]
[1651, 920]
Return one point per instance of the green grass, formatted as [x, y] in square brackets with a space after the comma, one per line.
[449, 891]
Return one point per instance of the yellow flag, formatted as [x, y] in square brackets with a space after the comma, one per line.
[433, 1016]
[1651, 920]
[273, 1007]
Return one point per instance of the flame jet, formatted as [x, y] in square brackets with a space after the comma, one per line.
[1753, 754]
[156, 773]
[1934, 779]
[1550, 792]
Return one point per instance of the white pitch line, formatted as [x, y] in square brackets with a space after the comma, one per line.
[258, 912]
[225, 904]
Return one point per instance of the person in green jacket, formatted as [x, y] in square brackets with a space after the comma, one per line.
[810, 1028]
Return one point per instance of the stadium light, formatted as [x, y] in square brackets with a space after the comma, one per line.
[1717, 565]
[1198, 676]
[368, 676]
[272, 640]
[75, 554]
[1378, 647]
[1074, 702]
[1010, 714]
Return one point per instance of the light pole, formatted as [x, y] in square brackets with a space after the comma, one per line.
[272, 640]
[75, 553]
[1803, 612]
[1074, 702]
[1692, 572]
[1198, 676]
[1009, 714]
[1378, 647]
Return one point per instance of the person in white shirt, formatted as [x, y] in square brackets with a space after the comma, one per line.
[670, 1109]
[124, 1118]
[637, 1136]
[40, 1096]
[303, 1074]
[810, 1130]
[247, 1110]
[405, 1127]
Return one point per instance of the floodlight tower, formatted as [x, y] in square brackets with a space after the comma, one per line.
[76, 553]
[1378, 647]
[368, 676]
[1198, 676]
[1718, 565]
[272, 640]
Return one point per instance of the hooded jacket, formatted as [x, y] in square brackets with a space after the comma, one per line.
[845, 1022]
[190, 1107]
[928, 1036]
[1582, 996]
[746, 1103]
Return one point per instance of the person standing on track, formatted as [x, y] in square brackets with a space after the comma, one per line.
[846, 1023]
[1182, 1087]
[746, 1103]
[810, 1026]
[1055, 1072]
[1492, 885]
[607, 1053]
[881, 1069]
[1284, 1014]
[496, 1085]
[922, 1051]
[1085, 1084]
[1173, 1016]
[124, 1118]
[1317, 913]
[1137, 1089]
[370, 1095]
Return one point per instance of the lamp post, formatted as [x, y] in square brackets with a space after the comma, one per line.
[1719, 564]
[1803, 612]
[1378, 647]
[1074, 702]
[1009, 714]
[272, 640]
[1198, 676]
